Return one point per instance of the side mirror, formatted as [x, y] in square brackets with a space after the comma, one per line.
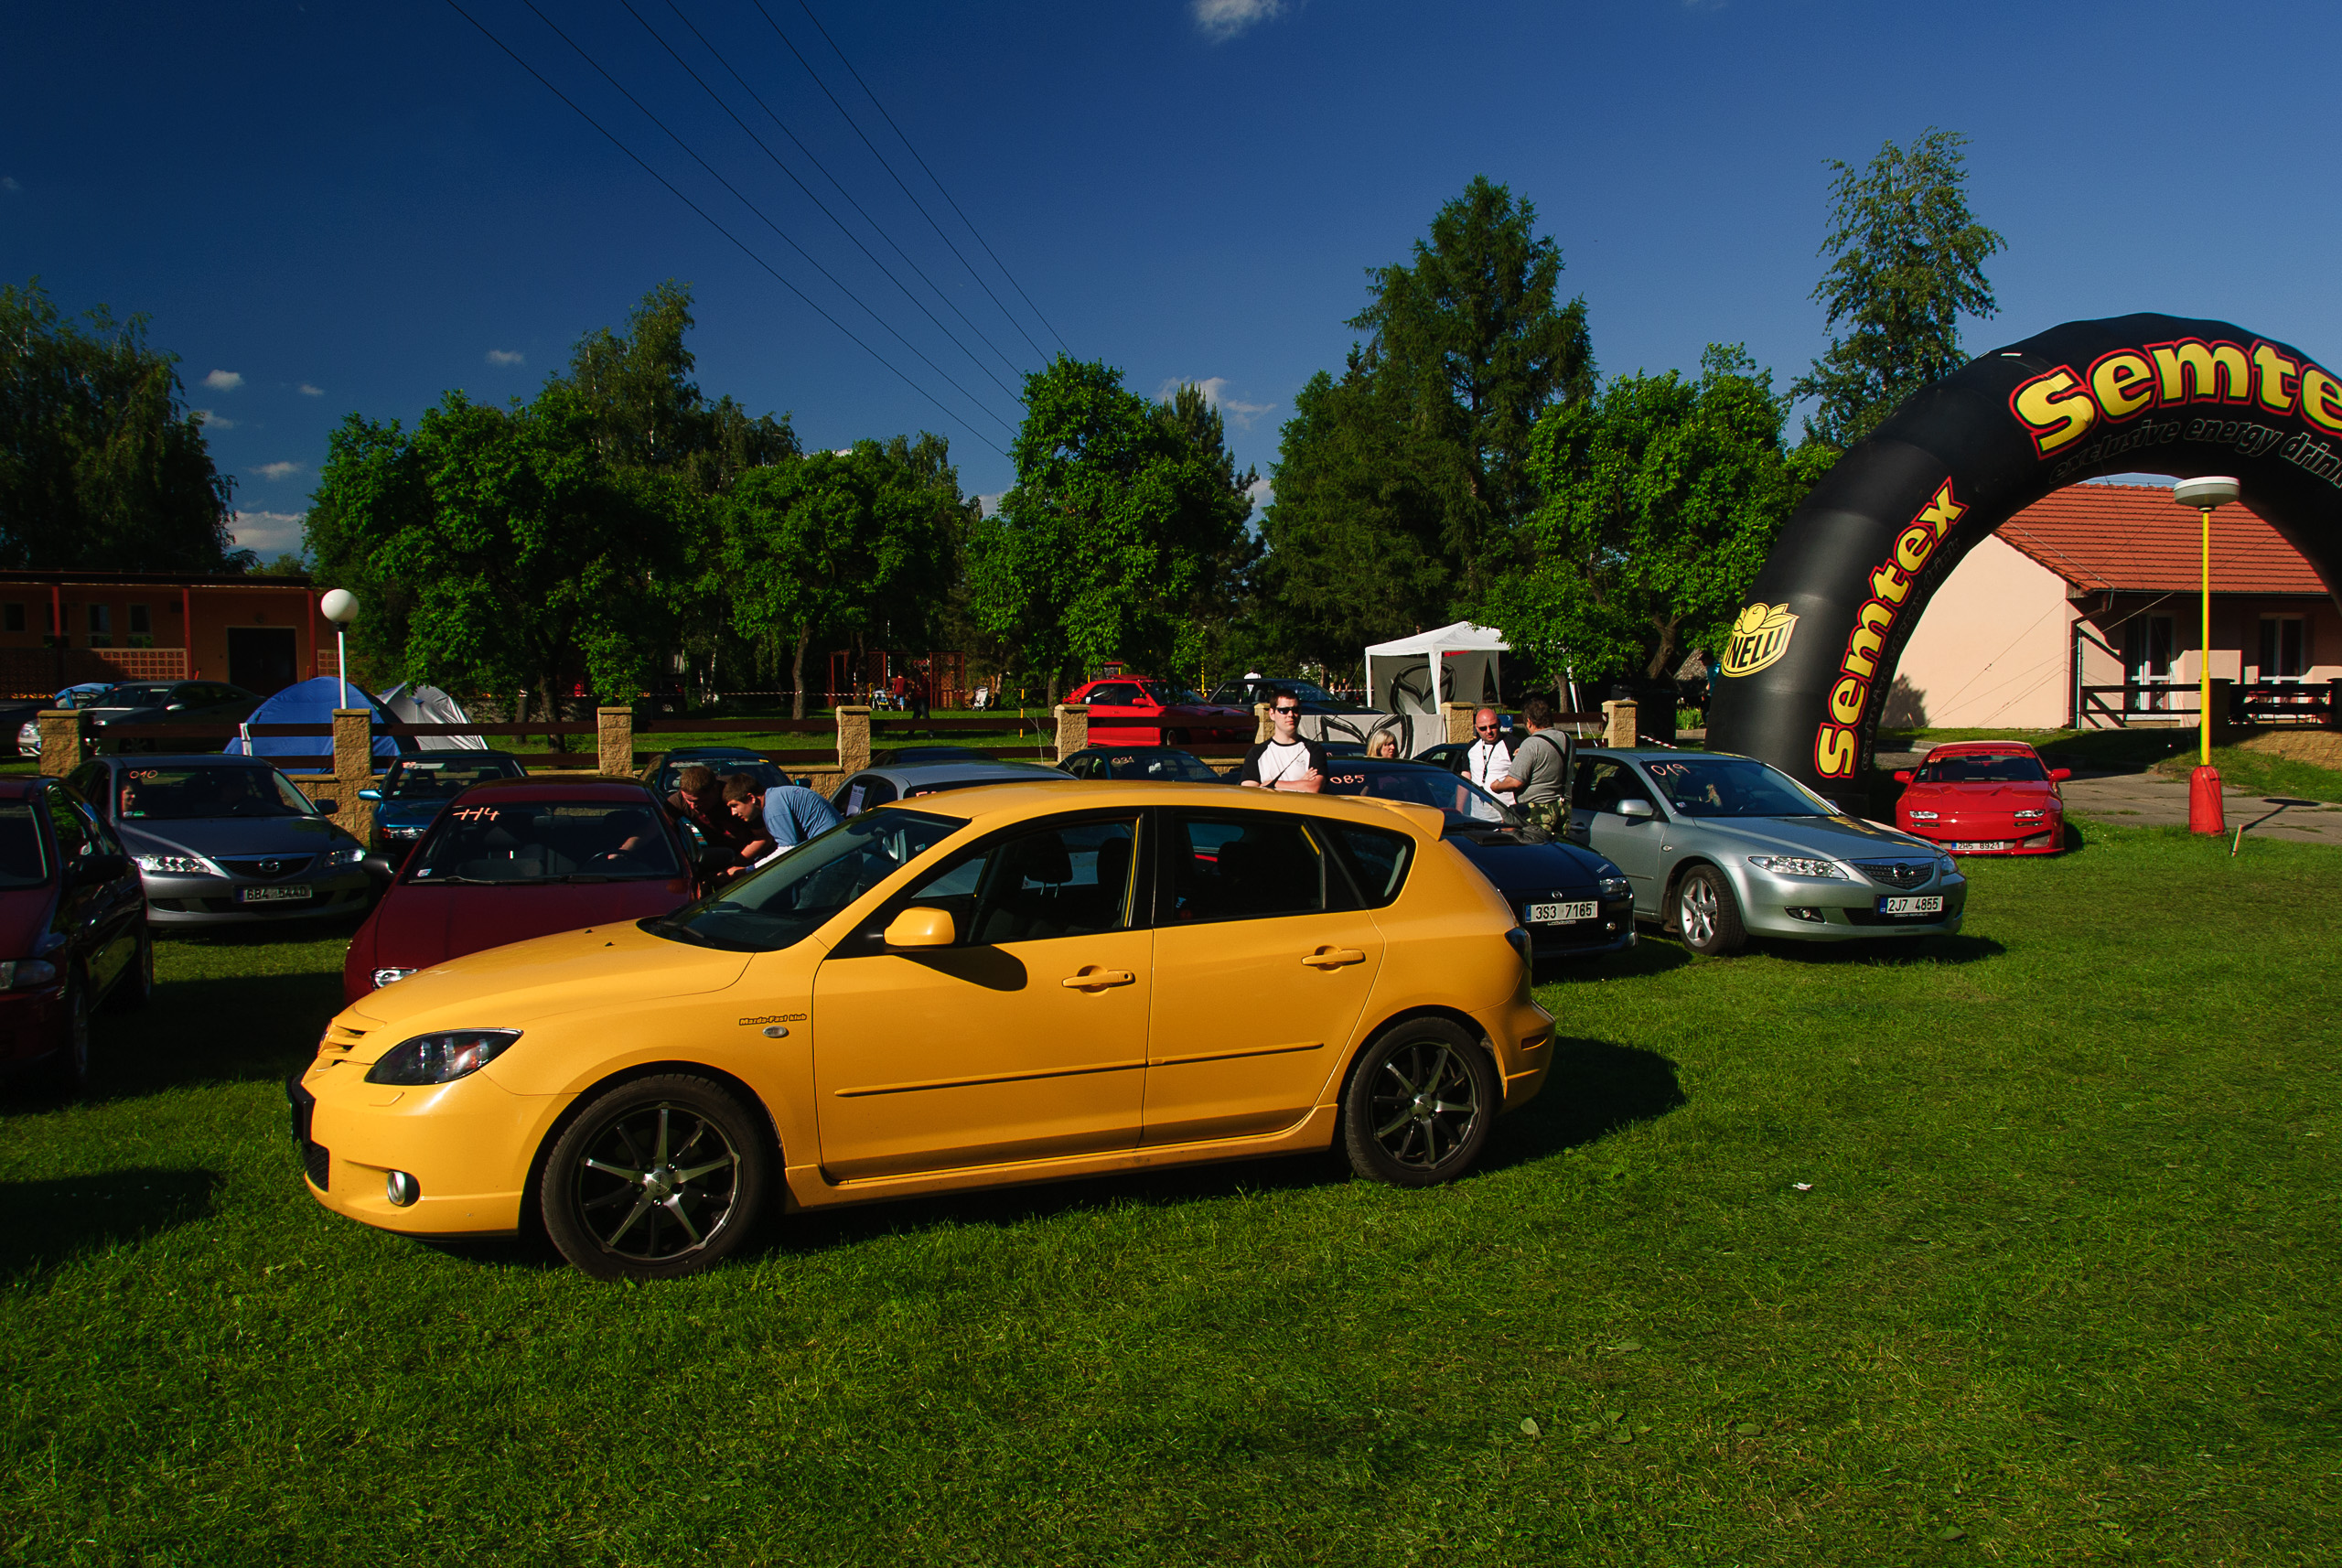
[1904, 776]
[2059, 775]
[327, 807]
[377, 866]
[370, 794]
[93, 869]
[922, 928]
[1638, 811]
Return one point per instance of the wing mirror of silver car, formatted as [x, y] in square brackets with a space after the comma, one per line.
[1639, 810]
[922, 928]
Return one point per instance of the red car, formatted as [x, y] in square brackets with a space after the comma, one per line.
[1128, 710]
[515, 858]
[1984, 797]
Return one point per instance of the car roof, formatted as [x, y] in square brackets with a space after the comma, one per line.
[1004, 803]
[580, 787]
[190, 758]
[454, 754]
[675, 752]
[942, 772]
[21, 787]
[1656, 753]
[1982, 748]
[1126, 751]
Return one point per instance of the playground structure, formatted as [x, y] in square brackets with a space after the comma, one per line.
[890, 678]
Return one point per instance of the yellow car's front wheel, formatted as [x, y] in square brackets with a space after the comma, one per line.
[657, 1178]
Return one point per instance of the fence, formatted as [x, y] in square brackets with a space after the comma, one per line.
[2233, 703]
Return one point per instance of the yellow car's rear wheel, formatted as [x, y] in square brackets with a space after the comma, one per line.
[1418, 1105]
[656, 1179]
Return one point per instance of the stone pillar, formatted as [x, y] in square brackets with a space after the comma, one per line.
[614, 735]
[353, 769]
[1263, 727]
[1459, 719]
[1618, 723]
[1073, 728]
[60, 741]
[854, 739]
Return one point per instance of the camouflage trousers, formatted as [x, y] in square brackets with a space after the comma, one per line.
[1553, 816]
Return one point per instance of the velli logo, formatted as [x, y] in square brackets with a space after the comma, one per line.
[1759, 637]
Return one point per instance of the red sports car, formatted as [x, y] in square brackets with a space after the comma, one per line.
[1127, 710]
[1984, 797]
[516, 859]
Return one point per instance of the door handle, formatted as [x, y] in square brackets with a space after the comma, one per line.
[1333, 957]
[1098, 979]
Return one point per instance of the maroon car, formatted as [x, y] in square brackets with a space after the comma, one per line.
[515, 858]
[73, 929]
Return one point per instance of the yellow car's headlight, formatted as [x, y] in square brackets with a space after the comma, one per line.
[441, 1058]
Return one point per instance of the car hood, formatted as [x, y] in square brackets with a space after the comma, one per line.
[233, 835]
[1845, 838]
[418, 925]
[515, 985]
[1521, 869]
[408, 814]
[1978, 797]
[23, 919]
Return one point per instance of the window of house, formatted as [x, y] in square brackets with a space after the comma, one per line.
[12, 618]
[2284, 648]
[141, 626]
[101, 625]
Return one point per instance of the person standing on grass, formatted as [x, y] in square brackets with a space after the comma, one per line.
[1539, 778]
[1284, 760]
[788, 815]
[1490, 759]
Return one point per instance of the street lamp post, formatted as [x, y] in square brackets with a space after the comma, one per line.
[340, 605]
[2204, 815]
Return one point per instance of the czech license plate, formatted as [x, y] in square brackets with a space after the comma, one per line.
[1983, 846]
[283, 893]
[1918, 904]
[1562, 914]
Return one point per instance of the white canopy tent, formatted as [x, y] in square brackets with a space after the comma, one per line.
[1415, 675]
[430, 705]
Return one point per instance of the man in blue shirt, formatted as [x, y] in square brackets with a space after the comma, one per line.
[789, 814]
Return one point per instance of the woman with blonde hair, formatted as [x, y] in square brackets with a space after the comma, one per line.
[1382, 745]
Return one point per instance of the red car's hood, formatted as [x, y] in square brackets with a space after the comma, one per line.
[1979, 797]
[24, 916]
[416, 926]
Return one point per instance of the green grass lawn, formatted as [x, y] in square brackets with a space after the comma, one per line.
[2019, 1247]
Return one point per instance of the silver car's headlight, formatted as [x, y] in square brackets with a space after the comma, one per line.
[180, 865]
[338, 858]
[1797, 866]
[442, 1057]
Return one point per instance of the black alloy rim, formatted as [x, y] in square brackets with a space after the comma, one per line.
[1424, 1105]
[657, 1183]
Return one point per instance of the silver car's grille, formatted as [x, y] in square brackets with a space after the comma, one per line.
[1897, 873]
[264, 867]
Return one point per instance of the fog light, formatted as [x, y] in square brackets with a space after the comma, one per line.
[1804, 912]
[401, 1188]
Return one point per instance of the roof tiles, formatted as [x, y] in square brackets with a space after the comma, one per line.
[2136, 539]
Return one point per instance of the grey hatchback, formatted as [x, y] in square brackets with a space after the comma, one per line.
[225, 840]
[1720, 848]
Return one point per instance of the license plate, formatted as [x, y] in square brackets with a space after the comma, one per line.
[1562, 914]
[1983, 847]
[281, 894]
[1919, 904]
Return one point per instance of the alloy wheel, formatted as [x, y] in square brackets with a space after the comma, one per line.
[1696, 912]
[657, 1182]
[1424, 1104]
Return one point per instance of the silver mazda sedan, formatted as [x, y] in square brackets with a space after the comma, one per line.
[1720, 848]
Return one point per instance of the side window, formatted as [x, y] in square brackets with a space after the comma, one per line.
[1118, 696]
[1378, 859]
[1240, 866]
[89, 781]
[1069, 880]
[73, 834]
[1602, 783]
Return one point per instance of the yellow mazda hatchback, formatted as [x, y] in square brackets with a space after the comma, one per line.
[1020, 982]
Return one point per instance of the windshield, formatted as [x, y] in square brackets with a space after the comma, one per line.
[1462, 803]
[22, 862]
[1167, 695]
[551, 841]
[1732, 786]
[433, 778]
[762, 774]
[783, 904]
[1177, 767]
[185, 794]
[134, 696]
[2003, 769]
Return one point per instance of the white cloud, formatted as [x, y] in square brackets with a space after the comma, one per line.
[990, 504]
[269, 533]
[277, 470]
[212, 421]
[223, 380]
[306, 390]
[8, 182]
[1262, 493]
[1215, 391]
[1220, 20]
[506, 357]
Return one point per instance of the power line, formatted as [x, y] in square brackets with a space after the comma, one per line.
[767, 222]
[816, 200]
[742, 245]
[897, 179]
[1019, 288]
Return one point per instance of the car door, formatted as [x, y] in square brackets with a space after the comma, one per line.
[1636, 843]
[1263, 965]
[1025, 1039]
[86, 916]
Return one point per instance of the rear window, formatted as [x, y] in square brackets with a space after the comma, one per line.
[1378, 859]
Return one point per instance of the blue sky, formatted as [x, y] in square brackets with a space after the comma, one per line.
[328, 207]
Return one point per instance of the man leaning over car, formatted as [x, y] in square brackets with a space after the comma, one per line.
[698, 800]
[790, 813]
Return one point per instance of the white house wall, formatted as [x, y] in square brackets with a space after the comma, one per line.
[1989, 652]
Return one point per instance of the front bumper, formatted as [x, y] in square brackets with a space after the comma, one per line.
[1611, 931]
[176, 899]
[2045, 837]
[1845, 911]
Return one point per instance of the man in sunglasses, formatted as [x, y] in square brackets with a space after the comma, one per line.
[1489, 759]
[1284, 760]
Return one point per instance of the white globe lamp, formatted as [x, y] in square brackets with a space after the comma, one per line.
[340, 605]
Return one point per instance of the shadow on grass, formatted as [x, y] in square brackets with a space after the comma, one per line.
[1889, 950]
[1647, 956]
[224, 1029]
[44, 1224]
[1595, 1088]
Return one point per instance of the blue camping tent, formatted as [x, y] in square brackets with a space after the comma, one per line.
[307, 703]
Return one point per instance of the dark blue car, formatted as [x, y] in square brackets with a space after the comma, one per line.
[418, 787]
[1572, 902]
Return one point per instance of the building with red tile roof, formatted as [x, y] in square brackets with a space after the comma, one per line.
[2097, 587]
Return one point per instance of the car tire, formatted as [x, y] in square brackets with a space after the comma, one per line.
[1707, 916]
[135, 989]
[1419, 1104]
[656, 1179]
[69, 1064]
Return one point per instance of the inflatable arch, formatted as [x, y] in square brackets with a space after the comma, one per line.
[1813, 653]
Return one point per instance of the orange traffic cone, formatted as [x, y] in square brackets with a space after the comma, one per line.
[2204, 815]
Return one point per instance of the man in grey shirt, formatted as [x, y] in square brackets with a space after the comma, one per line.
[1540, 774]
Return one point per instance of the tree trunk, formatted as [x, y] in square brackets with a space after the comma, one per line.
[1663, 663]
[797, 672]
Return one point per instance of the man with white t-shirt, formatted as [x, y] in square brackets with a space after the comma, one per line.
[1284, 760]
[1489, 759]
